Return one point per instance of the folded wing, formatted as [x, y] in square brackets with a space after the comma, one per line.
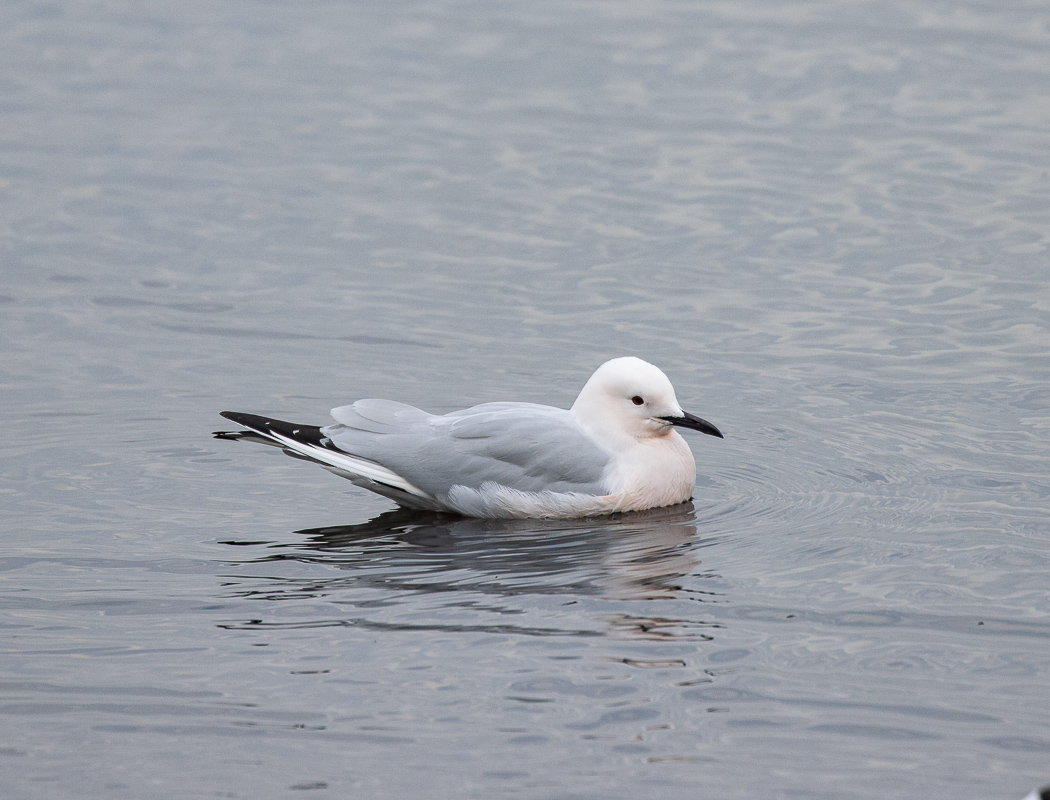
[522, 446]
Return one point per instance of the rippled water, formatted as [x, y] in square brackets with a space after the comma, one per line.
[827, 223]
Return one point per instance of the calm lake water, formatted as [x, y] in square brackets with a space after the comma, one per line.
[827, 222]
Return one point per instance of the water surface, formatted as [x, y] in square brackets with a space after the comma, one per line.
[827, 223]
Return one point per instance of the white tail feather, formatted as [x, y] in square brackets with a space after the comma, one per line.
[352, 464]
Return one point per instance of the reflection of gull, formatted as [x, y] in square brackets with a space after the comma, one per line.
[615, 450]
[635, 556]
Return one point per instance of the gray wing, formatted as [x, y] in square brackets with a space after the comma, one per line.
[523, 446]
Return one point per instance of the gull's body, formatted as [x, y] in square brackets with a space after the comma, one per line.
[615, 450]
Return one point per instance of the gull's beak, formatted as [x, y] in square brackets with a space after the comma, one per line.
[688, 420]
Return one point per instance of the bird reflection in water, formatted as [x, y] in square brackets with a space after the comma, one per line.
[638, 556]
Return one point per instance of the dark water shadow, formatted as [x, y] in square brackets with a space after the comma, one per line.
[401, 555]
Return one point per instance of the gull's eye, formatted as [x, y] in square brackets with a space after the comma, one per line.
[637, 400]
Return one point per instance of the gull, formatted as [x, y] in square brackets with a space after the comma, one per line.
[615, 450]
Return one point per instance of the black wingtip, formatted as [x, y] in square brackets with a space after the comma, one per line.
[253, 421]
[265, 426]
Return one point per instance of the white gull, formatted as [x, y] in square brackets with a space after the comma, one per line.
[615, 450]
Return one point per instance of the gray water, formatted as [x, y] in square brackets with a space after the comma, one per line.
[827, 222]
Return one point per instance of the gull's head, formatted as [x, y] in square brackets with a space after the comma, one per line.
[630, 397]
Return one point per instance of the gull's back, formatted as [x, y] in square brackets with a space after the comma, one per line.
[522, 446]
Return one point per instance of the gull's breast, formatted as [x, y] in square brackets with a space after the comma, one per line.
[657, 472]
